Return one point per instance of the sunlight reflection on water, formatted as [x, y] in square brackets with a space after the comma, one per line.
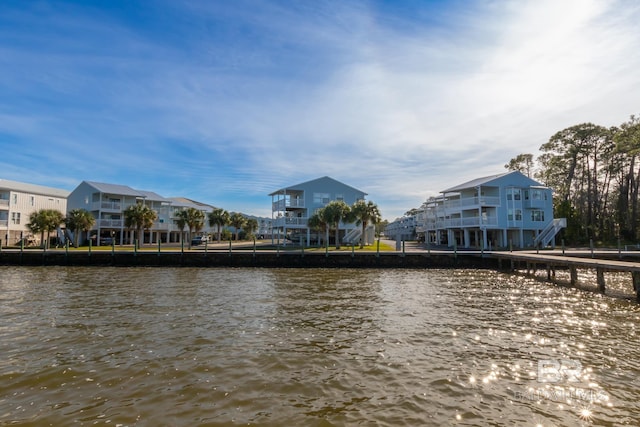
[187, 346]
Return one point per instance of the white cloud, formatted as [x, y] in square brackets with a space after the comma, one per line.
[244, 103]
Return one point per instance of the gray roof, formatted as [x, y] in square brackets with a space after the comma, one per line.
[123, 190]
[303, 184]
[24, 187]
[475, 182]
[183, 201]
[150, 195]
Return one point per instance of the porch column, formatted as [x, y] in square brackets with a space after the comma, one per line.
[521, 239]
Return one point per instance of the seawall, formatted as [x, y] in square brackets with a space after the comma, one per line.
[262, 259]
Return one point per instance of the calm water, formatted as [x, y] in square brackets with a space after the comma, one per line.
[184, 347]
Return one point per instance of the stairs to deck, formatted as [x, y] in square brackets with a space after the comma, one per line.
[546, 236]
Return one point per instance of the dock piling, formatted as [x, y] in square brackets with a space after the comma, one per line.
[600, 280]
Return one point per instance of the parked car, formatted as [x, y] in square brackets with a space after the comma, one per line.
[199, 240]
[106, 241]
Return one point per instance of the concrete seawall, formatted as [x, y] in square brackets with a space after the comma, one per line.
[261, 259]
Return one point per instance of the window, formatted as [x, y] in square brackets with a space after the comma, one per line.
[32, 200]
[15, 199]
[340, 197]
[513, 193]
[321, 198]
[15, 217]
[517, 216]
[537, 215]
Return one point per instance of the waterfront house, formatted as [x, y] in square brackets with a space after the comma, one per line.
[107, 203]
[508, 209]
[18, 200]
[292, 206]
[404, 228]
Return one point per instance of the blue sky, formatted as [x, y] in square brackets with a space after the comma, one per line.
[227, 101]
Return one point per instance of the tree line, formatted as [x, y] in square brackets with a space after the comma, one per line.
[595, 174]
[138, 217]
[329, 217]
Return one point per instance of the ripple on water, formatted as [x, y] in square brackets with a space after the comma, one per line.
[310, 347]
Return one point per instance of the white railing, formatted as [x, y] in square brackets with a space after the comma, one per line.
[281, 205]
[290, 222]
[461, 222]
[110, 223]
[4, 202]
[352, 236]
[471, 201]
[550, 231]
[4, 223]
[535, 203]
[111, 206]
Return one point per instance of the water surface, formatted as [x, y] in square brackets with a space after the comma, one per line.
[313, 347]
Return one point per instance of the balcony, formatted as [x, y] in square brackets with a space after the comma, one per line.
[4, 204]
[4, 223]
[462, 222]
[110, 223]
[281, 205]
[469, 202]
[535, 204]
[291, 222]
[107, 206]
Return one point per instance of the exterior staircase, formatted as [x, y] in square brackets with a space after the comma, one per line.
[352, 237]
[546, 236]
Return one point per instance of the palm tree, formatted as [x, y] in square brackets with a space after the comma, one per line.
[181, 222]
[250, 226]
[334, 212]
[79, 220]
[45, 220]
[35, 225]
[218, 217]
[317, 223]
[365, 213]
[139, 217]
[193, 218]
[237, 220]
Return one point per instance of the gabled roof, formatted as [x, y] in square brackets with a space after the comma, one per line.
[24, 187]
[302, 185]
[150, 195]
[488, 180]
[123, 190]
[185, 202]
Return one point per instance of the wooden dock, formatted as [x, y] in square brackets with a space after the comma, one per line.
[415, 256]
[553, 260]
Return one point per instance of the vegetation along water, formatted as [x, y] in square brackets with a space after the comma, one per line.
[313, 347]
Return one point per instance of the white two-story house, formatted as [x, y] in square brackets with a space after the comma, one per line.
[292, 206]
[18, 200]
[107, 203]
[502, 210]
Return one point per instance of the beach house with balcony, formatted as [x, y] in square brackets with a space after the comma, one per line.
[18, 200]
[292, 206]
[493, 211]
[107, 203]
